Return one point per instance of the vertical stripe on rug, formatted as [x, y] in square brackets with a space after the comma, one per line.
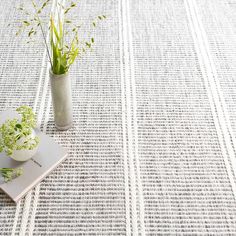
[124, 135]
[133, 88]
[136, 192]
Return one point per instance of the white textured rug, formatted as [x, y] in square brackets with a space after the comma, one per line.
[153, 147]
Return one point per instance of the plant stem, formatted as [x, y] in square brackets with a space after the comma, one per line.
[76, 32]
[44, 38]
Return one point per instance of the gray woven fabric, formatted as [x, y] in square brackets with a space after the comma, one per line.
[152, 150]
[219, 22]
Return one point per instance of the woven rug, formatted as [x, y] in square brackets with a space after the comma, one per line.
[152, 150]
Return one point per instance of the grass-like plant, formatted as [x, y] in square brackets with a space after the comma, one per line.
[11, 132]
[64, 45]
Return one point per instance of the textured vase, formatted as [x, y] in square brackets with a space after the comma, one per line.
[24, 154]
[62, 100]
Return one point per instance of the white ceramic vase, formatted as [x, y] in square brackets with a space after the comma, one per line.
[62, 100]
[24, 154]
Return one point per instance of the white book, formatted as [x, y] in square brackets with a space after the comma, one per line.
[48, 157]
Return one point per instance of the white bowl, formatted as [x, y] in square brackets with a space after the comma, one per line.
[24, 154]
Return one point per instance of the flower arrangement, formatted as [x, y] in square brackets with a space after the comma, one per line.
[64, 45]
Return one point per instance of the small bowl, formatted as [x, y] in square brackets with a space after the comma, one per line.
[24, 154]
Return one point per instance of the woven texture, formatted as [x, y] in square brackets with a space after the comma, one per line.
[152, 149]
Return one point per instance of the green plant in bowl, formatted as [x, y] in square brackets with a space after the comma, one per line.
[18, 139]
[15, 130]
